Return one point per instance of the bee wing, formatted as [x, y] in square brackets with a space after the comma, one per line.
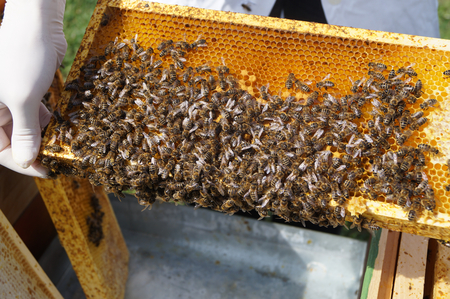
[362, 81]
[121, 45]
[340, 168]
[368, 138]
[351, 80]
[343, 213]
[318, 133]
[326, 77]
[407, 80]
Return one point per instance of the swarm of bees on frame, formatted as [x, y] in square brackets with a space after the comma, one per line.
[94, 222]
[141, 119]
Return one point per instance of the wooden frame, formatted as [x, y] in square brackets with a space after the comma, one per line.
[402, 265]
[21, 276]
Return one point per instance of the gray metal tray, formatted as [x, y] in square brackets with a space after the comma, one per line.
[179, 252]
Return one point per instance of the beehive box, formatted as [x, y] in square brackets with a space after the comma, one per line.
[261, 50]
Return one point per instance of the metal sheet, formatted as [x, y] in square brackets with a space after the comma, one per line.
[179, 252]
[226, 257]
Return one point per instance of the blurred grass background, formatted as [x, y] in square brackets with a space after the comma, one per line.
[76, 19]
[79, 12]
[444, 18]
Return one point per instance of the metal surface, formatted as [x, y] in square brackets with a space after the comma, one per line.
[179, 252]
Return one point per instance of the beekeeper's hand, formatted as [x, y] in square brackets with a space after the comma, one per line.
[32, 48]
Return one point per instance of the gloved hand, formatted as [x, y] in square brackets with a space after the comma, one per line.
[32, 48]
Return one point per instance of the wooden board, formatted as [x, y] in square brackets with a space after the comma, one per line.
[381, 264]
[35, 227]
[103, 270]
[16, 193]
[411, 265]
[441, 289]
[20, 274]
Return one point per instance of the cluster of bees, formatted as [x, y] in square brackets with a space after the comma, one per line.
[142, 119]
[94, 222]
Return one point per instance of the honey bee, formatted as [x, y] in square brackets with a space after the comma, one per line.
[110, 47]
[429, 202]
[246, 7]
[264, 92]
[357, 222]
[355, 85]
[164, 44]
[377, 66]
[410, 72]
[388, 118]
[428, 103]
[106, 17]
[405, 120]
[212, 82]
[222, 69]
[157, 64]
[312, 98]
[73, 85]
[418, 88]
[290, 81]
[447, 73]
[418, 123]
[354, 174]
[402, 137]
[376, 75]
[411, 99]
[326, 84]
[417, 115]
[302, 86]
[406, 163]
[391, 74]
[428, 148]
[349, 184]
[421, 187]
[198, 43]
[203, 69]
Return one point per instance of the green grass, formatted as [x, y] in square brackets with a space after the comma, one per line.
[444, 18]
[76, 19]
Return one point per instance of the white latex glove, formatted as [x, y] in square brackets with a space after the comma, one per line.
[32, 48]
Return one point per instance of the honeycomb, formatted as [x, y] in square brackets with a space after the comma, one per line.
[263, 50]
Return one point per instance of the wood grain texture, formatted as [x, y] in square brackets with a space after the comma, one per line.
[380, 286]
[441, 289]
[411, 264]
[103, 270]
[429, 272]
[20, 274]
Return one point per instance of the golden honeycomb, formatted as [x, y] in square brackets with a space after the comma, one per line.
[261, 50]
